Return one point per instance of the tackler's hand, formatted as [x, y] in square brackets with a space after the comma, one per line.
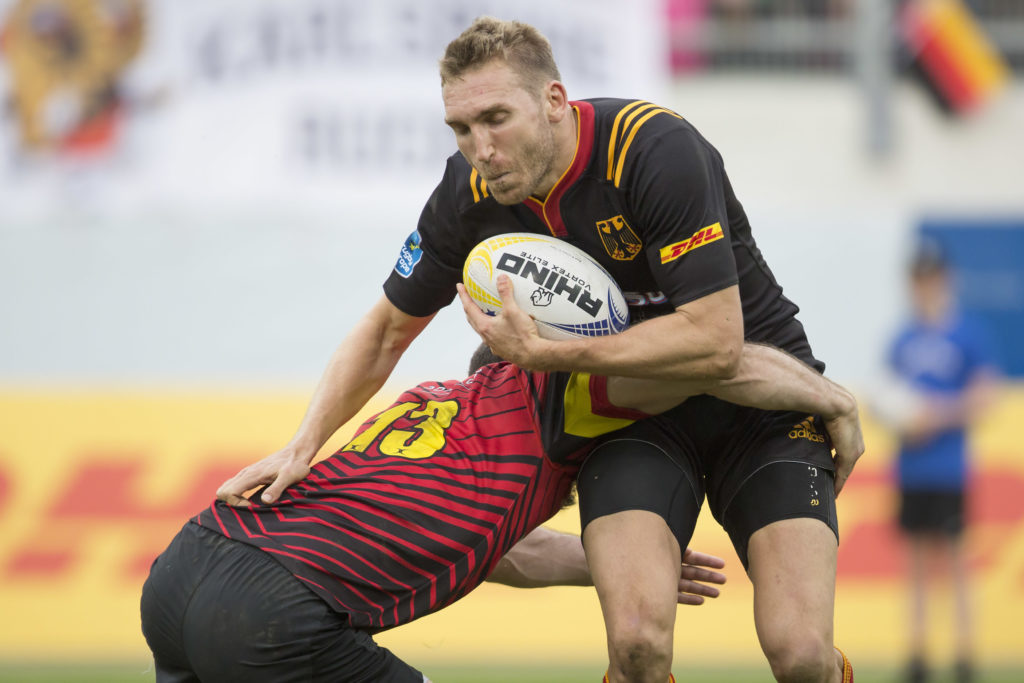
[697, 571]
[277, 472]
[847, 439]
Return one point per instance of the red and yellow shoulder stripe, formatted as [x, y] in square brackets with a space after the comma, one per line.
[627, 122]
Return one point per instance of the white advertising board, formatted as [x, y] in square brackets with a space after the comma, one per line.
[245, 104]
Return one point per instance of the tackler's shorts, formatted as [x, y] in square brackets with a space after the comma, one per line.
[707, 447]
[216, 609]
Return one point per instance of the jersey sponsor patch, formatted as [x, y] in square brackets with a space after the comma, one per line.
[703, 236]
[409, 256]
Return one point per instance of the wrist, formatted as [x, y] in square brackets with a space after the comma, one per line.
[302, 449]
[545, 355]
[842, 402]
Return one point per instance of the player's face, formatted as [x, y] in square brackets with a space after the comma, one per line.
[503, 130]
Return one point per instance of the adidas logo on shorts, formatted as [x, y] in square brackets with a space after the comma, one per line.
[806, 430]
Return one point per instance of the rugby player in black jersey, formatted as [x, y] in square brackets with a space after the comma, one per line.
[638, 188]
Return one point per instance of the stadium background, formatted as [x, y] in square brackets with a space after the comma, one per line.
[175, 271]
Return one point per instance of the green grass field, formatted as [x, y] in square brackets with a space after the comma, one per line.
[24, 673]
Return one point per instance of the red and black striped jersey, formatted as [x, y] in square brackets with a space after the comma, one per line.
[646, 195]
[417, 509]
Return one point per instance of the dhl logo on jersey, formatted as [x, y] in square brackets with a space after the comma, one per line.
[698, 239]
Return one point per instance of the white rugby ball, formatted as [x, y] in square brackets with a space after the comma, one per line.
[567, 292]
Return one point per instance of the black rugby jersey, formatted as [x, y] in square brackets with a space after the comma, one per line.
[646, 195]
[418, 508]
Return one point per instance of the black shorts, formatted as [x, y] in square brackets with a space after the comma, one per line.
[927, 511]
[654, 481]
[718, 449]
[781, 490]
[214, 609]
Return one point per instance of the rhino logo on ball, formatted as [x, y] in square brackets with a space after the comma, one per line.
[541, 297]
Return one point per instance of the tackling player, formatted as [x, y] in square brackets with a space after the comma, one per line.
[428, 499]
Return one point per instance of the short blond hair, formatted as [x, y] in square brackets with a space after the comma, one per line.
[519, 45]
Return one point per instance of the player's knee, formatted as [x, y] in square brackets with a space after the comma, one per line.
[641, 652]
[806, 659]
[639, 661]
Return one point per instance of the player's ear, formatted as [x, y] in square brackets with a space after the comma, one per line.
[556, 101]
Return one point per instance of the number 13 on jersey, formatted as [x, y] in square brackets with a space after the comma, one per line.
[435, 417]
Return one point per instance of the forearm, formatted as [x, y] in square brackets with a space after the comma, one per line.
[544, 557]
[356, 371]
[767, 378]
[699, 341]
[772, 379]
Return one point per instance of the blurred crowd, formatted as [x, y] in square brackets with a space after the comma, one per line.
[741, 9]
[798, 35]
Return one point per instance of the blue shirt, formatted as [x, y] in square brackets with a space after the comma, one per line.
[939, 361]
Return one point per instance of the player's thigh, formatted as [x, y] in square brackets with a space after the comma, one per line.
[779, 466]
[638, 509]
[784, 516]
[649, 467]
[634, 561]
[793, 569]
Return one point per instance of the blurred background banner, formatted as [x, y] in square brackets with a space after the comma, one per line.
[177, 161]
[197, 199]
[93, 485]
[266, 103]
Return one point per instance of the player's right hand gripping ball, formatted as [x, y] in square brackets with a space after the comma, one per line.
[567, 292]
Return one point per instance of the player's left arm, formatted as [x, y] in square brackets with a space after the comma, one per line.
[770, 379]
[546, 557]
[766, 378]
